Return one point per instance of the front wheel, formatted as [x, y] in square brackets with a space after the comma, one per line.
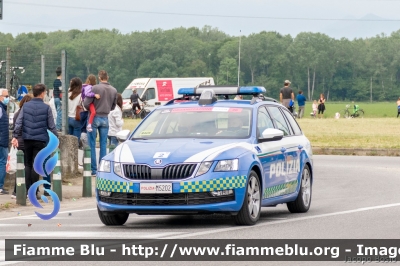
[144, 113]
[110, 218]
[251, 208]
[303, 200]
[345, 113]
[361, 113]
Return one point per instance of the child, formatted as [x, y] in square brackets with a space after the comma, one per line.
[315, 108]
[87, 92]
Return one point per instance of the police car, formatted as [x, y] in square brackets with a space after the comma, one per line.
[200, 154]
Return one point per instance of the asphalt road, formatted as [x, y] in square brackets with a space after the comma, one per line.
[353, 198]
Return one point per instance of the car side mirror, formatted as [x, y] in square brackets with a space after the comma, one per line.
[123, 135]
[271, 134]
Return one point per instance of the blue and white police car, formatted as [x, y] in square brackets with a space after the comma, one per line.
[199, 154]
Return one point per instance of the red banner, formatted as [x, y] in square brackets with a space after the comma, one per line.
[165, 90]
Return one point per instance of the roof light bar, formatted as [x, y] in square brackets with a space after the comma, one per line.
[224, 90]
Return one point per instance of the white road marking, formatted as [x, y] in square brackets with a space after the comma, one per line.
[285, 221]
[34, 215]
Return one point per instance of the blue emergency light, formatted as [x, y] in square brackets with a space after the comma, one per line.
[223, 90]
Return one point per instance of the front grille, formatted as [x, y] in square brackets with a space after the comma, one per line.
[175, 199]
[144, 172]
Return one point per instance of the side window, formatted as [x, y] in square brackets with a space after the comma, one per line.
[264, 121]
[292, 122]
[279, 120]
[149, 94]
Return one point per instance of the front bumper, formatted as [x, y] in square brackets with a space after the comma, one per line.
[189, 195]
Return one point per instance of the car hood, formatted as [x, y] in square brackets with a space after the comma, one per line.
[167, 151]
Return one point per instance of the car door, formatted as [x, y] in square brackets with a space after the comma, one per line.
[283, 174]
[269, 154]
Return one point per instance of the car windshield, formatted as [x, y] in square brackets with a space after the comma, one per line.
[126, 94]
[196, 122]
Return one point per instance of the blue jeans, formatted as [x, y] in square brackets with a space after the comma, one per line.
[100, 124]
[57, 103]
[74, 128]
[113, 140]
[3, 162]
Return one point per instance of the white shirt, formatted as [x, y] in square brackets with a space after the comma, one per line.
[72, 105]
[53, 109]
[115, 121]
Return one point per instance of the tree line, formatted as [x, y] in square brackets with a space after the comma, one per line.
[344, 70]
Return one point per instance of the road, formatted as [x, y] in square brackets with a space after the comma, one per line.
[353, 198]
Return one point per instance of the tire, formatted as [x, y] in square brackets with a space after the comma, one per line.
[303, 200]
[361, 113]
[346, 113]
[144, 113]
[251, 208]
[110, 218]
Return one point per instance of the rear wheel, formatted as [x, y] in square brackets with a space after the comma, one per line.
[303, 200]
[144, 113]
[111, 218]
[251, 208]
[361, 113]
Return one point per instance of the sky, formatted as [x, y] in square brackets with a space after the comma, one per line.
[336, 18]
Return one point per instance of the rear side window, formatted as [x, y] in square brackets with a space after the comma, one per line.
[279, 120]
[292, 122]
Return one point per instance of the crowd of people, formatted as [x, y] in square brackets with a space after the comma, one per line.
[286, 97]
[93, 108]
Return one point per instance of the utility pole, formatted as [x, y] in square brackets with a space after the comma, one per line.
[240, 39]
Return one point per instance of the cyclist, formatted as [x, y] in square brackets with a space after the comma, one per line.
[135, 101]
[355, 109]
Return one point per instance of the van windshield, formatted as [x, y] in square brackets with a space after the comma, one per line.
[126, 94]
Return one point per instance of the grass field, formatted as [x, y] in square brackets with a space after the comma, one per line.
[378, 129]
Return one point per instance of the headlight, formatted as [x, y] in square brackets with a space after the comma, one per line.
[204, 167]
[227, 165]
[105, 166]
[118, 169]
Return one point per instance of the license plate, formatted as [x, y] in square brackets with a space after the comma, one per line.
[155, 188]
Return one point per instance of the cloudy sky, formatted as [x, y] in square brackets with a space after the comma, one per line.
[337, 18]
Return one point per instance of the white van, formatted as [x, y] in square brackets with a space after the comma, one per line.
[158, 91]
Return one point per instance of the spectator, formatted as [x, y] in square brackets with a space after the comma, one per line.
[21, 147]
[321, 105]
[135, 102]
[301, 102]
[103, 106]
[398, 107]
[315, 108]
[4, 135]
[53, 109]
[33, 121]
[74, 99]
[57, 97]
[87, 92]
[115, 120]
[286, 94]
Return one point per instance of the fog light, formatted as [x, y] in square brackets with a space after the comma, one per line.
[220, 193]
[104, 193]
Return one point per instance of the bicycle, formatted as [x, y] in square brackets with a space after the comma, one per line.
[142, 113]
[15, 81]
[2, 84]
[357, 112]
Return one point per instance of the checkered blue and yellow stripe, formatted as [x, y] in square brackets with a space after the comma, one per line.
[214, 184]
[114, 186]
[280, 190]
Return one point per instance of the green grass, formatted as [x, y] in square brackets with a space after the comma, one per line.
[371, 110]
